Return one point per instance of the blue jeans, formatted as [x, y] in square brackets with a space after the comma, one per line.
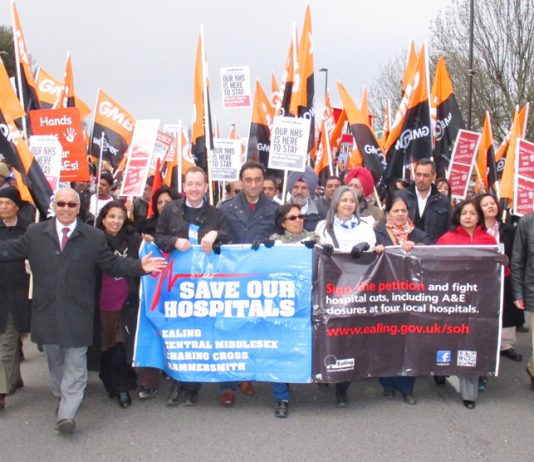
[401, 383]
[280, 391]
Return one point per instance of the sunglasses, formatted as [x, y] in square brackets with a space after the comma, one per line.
[70, 205]
[294, 217]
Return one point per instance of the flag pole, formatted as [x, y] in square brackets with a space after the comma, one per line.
[17, 63]
[207, 127]
[179, 154]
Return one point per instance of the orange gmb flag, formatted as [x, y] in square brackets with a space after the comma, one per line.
[112, 130]
[201, 113]
[302, 100]
[276, 94]
[8, 98]
[323, 161]
[518, 131]
[447, 119]
[410, 138]
[411, 64]
[67, 97]
[368, 147]
[16, 152]
[26, 84]
[288, 79]
[48, 88]
[522, 116]
[486, 159]
[182, 150]
[260, 127]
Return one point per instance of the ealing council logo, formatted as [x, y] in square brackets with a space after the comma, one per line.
[443, 357]
[338, 365]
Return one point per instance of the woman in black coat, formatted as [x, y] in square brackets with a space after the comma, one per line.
[398, 229]
[504, 234]
[118, 301]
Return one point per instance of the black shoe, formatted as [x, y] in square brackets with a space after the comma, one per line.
[510, 353]
[522, 329]
[409, 399]
[342, 399]
[66, 426]
[281, 409]
[389, 394]
[124, 399]
[469, 404]
[440, 380]
[146, 393]
[175, 394]
[191, 398]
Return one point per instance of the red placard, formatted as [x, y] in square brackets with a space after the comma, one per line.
[462, 159]
[524, 178]
[64, 124]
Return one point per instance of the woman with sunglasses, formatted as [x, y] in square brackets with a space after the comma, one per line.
[468, 229]
[344, 229]
[118, 300]
[289, 225]
[397, 229]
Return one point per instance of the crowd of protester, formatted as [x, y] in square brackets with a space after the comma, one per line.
[348, 215]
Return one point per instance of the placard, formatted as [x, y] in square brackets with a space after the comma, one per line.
[289, 144]
[462, 160]
[235, 85]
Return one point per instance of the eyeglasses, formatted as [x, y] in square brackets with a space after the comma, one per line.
[70, 205]
[294, 217]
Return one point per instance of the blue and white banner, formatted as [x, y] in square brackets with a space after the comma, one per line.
[241, 315]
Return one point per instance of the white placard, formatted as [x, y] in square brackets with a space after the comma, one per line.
[289, 144]
[235, 86]
[48, 153]
[225, 159]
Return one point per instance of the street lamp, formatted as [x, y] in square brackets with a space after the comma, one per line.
[325, 70]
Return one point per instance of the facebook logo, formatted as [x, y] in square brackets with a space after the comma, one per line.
[443, 357]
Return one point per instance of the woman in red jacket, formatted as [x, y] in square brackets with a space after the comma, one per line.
[467, 220]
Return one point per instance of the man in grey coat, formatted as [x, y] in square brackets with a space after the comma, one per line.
[522, 275]
[65, 256]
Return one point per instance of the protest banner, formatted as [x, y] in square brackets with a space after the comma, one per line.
[139, 157]
[524, 178]
[225, 159]
[434, 310]
[289, 144]
[240, 315]
[65, 124]
[235, 86]
[48, 153]
[461, 165]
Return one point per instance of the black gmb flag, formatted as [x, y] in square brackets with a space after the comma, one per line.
[448, 118]
[18, 155]
[410, 138]
[365, 139]
[260, 131]
[434, 310]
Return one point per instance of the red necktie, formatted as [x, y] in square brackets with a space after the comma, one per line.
[65, 237]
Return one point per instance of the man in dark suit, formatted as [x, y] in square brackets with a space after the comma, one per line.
[64, 256]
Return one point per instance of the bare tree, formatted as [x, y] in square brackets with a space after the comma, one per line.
[503, 60]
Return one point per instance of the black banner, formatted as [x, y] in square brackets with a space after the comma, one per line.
[434, 310]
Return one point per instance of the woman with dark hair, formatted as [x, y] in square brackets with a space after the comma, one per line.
[345, 230]
[118, 301]
[397, 229]
[289, 225]
[468, 224]
[160, 198]
[503, 234]
[148, 377]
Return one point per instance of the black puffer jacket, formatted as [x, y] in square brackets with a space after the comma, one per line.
[172, 224]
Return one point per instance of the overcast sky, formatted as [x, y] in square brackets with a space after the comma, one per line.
[142, 52]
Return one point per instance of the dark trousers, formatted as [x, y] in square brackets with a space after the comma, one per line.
[116, 374]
